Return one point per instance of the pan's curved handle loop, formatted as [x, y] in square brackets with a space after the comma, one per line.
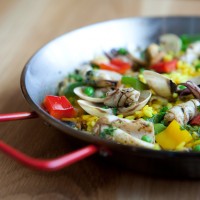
[17, 116]
[40, 164]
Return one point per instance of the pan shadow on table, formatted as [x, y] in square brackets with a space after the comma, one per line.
[75, 182]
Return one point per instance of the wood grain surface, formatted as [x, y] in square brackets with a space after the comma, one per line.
[25, 26]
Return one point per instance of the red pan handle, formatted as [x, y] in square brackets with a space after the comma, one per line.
[45, 165]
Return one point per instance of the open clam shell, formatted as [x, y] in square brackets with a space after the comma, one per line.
[160, 84]
[79, 92]
[97, 110]
[94, 109]
[143, 100]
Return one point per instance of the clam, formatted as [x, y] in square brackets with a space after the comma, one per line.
[101, 59]
[160, 84]
[79, 92]
[97, 110]
[102, 78]
[136, 58]
[145, 95]
[94, 109]
[84, 69]
[192, 53]
[170, 42]
[154, 54]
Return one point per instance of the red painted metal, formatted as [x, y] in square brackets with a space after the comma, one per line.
[52, 164]
[17, 116]
[45, 165]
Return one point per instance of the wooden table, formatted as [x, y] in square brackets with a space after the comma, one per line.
[25, 26]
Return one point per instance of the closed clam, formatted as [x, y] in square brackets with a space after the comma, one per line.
[102, 78]
[154, 54]
[170, 42]
[160, 84]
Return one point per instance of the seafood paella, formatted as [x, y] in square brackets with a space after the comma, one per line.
[142, 97]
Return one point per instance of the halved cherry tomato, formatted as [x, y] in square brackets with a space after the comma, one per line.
[164, 67]
[116, 65]
[195, 120]
[59, 107]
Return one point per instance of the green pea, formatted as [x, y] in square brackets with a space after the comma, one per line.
[89, 91]
[146, 138]
[196, 148]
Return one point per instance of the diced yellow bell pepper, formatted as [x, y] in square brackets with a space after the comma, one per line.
[172, 136]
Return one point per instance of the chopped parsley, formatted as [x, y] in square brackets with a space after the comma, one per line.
[105, 107]
[191, 129]
[182, 128]
[158, 118]
[107, 131]
[114, 111]
[103, 96]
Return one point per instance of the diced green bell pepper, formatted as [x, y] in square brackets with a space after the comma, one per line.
[188, 39]
[134, 82]
[159, 128]
[69, 90]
